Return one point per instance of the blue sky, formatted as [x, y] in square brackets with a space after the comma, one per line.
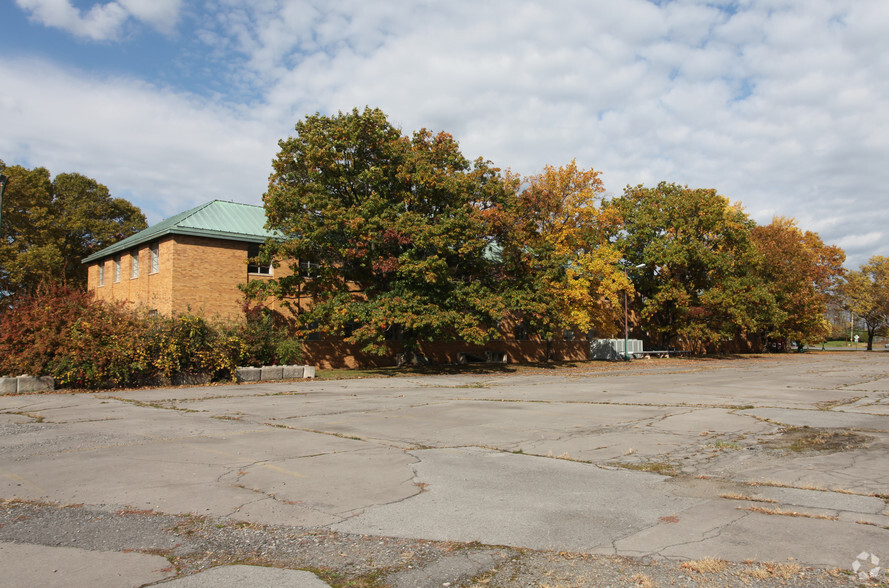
[780, 105]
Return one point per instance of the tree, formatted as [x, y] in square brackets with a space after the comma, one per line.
[382, 233]
[698, 281]
[802, 274]
[867, 295]
[554, 237]
[50, 225]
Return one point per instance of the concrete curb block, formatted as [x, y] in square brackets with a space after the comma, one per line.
[8, 386]
[271, 372]
[25, 383]
[249, 374]
[293, 372]
[275, 372]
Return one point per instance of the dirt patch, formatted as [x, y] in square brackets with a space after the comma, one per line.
[809, 439]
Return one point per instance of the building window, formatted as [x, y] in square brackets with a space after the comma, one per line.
[134, 264]
[314, 335]
[253, 266]
[155, 257]
[152, 313]
[394, 333]
[117, 269]
[521, 332]
[102, 273]
[308, 269]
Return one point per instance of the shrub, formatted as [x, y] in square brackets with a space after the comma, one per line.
[66, 334]
[265, 336]
[88, 343]
[189, 345]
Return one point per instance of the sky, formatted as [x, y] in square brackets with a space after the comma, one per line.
[782, 106]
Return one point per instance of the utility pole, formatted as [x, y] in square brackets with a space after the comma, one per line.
[3, 180]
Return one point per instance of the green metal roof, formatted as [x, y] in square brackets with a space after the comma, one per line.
[217, 219]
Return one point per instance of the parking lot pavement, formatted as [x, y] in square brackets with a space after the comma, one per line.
[768, 459]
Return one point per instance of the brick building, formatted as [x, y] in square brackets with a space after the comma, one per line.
[192, 261]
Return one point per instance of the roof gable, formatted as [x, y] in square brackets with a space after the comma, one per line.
[217, 219]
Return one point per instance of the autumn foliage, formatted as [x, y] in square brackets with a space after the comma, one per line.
[400, 235]
[88, 343]
[867, 295]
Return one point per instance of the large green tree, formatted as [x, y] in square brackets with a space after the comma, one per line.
[867, 295]
[383, 233]
[693, 262]
[48, 225]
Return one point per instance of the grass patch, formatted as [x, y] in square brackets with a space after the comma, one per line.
[641, 581]
[720, 445]
[809, 439]
[769, 570]
[708, 565]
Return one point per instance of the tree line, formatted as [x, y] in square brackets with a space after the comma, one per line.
[392, 233]
[396, 236]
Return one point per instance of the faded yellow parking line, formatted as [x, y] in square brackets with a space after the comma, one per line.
[281, 470]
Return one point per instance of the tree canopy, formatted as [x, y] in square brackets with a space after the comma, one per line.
[384, 234]
[802, 274]
[693, 263]
[555, 245]
[867, 295]
[48, 225]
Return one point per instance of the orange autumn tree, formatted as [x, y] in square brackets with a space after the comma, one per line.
[802, 273]
[558, 240]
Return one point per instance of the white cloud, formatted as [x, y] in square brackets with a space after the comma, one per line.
[165, 152]
[102, 22]
[777, 104]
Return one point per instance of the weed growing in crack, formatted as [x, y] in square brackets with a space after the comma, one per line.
[788, 513]
[747, 498]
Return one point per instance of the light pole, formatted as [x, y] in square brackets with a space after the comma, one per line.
[627, 320]
[3, 180]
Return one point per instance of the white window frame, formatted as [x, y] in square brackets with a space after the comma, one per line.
[155, 257]
[256, 269]
[134, 264]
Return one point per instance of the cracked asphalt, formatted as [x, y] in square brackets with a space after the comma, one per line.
[596, 474]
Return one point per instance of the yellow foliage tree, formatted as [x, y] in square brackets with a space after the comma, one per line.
[564, 233]
[867, 295]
